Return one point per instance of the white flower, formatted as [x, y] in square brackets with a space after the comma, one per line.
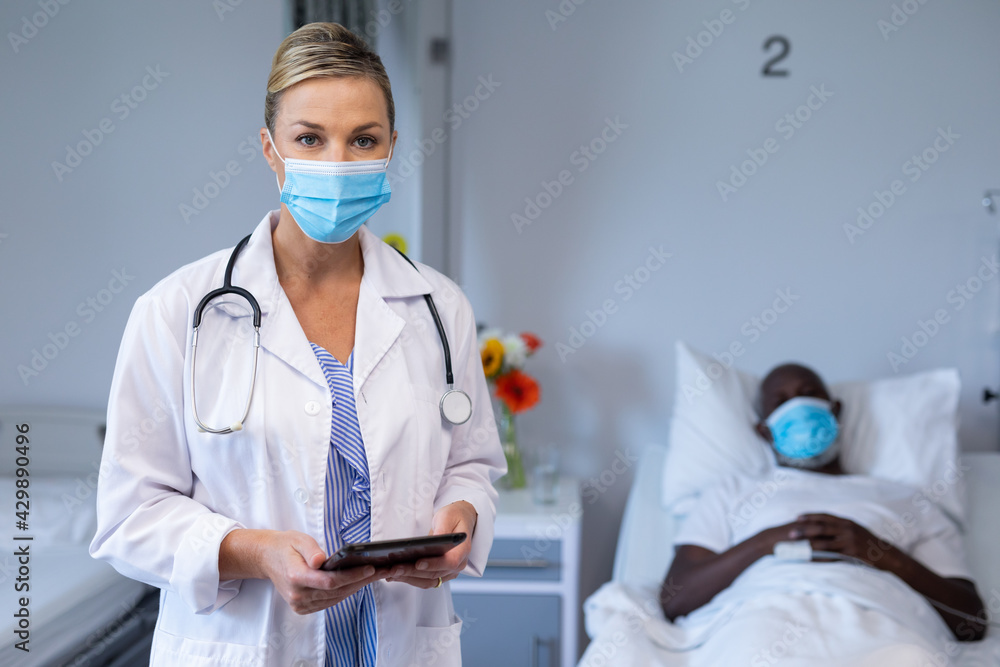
[515, 352]
[487, 333]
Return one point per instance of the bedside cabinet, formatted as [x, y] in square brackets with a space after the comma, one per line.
[525, 609]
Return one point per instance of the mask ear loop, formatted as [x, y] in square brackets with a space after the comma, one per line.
[392, 146]
[275, 148]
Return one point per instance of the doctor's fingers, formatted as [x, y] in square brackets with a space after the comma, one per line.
[453, 561]
[307, 579]
[422, 581]
[310, 600]
[431, 568]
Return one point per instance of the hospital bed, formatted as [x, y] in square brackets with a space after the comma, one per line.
[645, 549]
[79, 611]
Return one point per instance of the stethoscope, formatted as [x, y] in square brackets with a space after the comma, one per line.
[455, 404]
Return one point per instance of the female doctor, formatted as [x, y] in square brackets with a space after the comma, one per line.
[344, 437]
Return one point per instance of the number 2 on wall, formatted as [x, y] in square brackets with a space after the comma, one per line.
[785, 47]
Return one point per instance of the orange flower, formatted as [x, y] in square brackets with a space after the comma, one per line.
[532, 341]
[492, 355]
[518, 391]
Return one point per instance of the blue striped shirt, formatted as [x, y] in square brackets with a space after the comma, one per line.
[351, 636]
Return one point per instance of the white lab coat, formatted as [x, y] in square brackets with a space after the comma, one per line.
[168, 493]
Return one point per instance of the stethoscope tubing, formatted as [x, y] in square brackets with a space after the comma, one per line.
[227, 288]
[462, 416]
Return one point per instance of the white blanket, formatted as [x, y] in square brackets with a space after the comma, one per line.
[792, 614]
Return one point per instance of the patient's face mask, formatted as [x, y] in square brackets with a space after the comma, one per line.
[331, 200]
[804, 430]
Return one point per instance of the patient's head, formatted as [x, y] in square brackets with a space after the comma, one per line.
[803, 432]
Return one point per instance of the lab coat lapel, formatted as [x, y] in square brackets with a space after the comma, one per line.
[280, 331]
[387, 276]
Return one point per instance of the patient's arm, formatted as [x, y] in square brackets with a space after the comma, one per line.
[831, 533]
[698, 574]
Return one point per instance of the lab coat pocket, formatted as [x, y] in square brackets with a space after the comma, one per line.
[231, 635]
[172, 651]
[439, 646]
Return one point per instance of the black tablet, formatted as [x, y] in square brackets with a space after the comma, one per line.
[392, 552]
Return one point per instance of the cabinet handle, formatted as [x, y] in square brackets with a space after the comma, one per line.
[517, 562]
[536, 643]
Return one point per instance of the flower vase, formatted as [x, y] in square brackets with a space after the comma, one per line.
[514, 479]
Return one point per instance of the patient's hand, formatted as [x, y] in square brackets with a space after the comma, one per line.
[826, 532]
[833, 533]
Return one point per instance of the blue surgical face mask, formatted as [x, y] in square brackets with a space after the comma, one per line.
[331, 200]
[804, 430]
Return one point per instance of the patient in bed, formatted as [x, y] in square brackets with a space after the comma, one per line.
[809, 497]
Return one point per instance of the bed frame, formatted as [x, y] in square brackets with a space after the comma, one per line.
[107, 623]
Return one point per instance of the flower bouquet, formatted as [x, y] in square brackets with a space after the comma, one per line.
[503, 357]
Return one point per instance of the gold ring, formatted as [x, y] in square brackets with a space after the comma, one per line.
[439, 583]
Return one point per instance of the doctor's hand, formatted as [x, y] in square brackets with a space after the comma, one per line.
[458, 517]
[291, 560]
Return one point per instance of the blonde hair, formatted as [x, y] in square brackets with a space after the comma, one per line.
[323, 49]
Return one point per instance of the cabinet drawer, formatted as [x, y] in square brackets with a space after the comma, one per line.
[509, 630]
[523, 560]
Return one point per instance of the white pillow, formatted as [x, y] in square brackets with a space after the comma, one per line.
[901, 429]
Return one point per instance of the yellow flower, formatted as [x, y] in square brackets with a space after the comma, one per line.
[492, 354]
[396, 241]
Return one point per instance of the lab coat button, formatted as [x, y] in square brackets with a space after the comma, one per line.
[301, 495]
[312, 408]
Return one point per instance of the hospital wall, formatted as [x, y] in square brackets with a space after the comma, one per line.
[613, 132]
[582, 151]
[132, 147]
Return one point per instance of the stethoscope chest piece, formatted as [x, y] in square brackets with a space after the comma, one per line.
[456, 406]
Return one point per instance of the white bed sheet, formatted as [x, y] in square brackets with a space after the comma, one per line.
[73, 597]
[645, 550]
